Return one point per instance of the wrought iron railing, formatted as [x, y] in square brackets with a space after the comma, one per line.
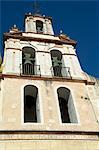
[59, 71]
[30, 69]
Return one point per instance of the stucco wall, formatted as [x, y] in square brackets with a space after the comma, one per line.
[13, 50]
[49, 145]
[12, 106]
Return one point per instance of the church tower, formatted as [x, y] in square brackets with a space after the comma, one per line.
[47, 102]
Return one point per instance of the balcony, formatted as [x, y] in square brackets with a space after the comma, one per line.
[30, 69]
[34, 70]
[59, 71]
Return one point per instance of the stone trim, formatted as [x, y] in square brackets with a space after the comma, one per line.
[25, 38]
[23, 135]
[69, 54]
[47, 78]
[38, 51]
[14, 49]
[40, 16]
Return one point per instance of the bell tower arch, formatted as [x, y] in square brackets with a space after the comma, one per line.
[38, 24]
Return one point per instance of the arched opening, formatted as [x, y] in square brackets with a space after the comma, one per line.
[31, 104]
[66, 105]
[39, 26]
[56, 57]
[28, 61]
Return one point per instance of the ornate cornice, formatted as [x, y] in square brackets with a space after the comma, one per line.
[59, 79]
[26, 38]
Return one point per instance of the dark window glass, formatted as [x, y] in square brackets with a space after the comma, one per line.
[28, 61]
[63, 97]
[56, 57]
[30, 103]
[39, 26]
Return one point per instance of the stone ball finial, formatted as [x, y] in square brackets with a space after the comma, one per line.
[14, 29]
[29, 13]
[14, 25]
[61, 31]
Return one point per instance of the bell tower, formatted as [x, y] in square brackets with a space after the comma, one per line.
[38, 24]
[38, 45]
[46, 99]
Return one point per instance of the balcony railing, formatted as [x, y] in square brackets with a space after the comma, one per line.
[60, 71]
[30, 69]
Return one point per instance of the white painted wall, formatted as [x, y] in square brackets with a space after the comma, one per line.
[44, 60]
[71, 61]
[12, 62]
[13, 57]
[30, 25]
[44, 28]
[49, 27]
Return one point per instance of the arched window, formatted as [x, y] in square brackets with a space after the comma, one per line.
[28, 61]
[56, 57]
[66, 105]
[31, 104]
[39, 26]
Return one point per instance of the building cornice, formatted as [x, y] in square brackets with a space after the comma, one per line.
[37, 15]
[50, 132]
[59, 79]
[26, 38]
[56, 135]
[19, 49]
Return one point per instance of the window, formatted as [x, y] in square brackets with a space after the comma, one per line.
[39, 26]
[56, 57]
[66, 105]
[31, 104]
[58, 67]
[28, 61]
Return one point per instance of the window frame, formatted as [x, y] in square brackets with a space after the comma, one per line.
[58, 108]
[40, 106]
[42, 26]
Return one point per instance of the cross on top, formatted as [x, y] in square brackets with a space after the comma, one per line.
[36, 7]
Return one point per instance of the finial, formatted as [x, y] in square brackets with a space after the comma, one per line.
[29, 13]
[36, 7]
[14, 29]
[14, 26]
[61, 31]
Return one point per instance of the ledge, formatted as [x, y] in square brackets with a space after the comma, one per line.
[26, 38]
[47, 135]
[59, 79]
[49, 132]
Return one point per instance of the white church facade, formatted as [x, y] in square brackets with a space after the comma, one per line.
[47, 102]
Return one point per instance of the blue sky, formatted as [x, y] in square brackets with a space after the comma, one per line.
[78, 19]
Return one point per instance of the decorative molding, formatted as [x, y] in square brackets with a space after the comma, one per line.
[22, 135]
[13, 49]
[46, 137]
[44, 17]
[59, 79]
[26, 38]
[69, 54]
